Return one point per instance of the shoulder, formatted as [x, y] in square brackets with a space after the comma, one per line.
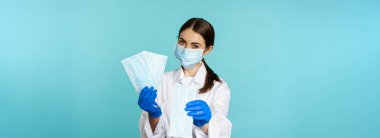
[222, 86]
[221, 91]
[169, 76]
[221, 83]
[171, 73]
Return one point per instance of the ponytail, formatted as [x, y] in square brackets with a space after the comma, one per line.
[210, 79]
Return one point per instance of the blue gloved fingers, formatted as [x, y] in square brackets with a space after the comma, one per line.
[146, 99]
[195, 102]
[200, 111]
[143, 92]
[155, 94]
[148, 93]
[155, 105]
[197, 113]
[155, 110]
[151, 88]
[193, 108]
[152, 97]
[155, 91]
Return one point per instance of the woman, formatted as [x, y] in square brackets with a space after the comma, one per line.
[209, 110]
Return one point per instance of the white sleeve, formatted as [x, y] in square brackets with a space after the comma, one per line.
[219, 125]
[199, 132]
[146, 130]
[144, 125]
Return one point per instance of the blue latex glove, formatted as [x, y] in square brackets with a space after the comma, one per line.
[147, 103]
[200, 112]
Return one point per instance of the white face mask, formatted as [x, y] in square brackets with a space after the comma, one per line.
[188, 57]
[145, 69]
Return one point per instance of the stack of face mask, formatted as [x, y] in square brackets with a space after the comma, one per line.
[145, 69]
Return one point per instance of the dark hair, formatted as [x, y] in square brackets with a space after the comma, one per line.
[206, 30]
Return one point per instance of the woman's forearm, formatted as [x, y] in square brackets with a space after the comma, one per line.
[205, 129]
[153, 122]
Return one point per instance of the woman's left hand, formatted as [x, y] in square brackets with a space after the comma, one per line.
[200, 112]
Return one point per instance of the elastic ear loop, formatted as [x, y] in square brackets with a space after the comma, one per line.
[205, 51]
[175, 46]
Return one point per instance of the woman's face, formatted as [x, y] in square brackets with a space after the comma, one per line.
[190, 39]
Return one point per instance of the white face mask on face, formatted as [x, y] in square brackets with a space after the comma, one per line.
[188, 57]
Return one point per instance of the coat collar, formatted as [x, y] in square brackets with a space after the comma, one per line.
[199, 77]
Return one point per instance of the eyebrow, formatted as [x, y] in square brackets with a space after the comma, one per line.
[191, 43]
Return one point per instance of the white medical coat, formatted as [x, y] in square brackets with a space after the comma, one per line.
[217, 98]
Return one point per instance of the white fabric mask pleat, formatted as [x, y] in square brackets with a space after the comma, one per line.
[145, 69]
[180, 123]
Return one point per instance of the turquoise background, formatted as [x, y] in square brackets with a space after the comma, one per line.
[296, 69]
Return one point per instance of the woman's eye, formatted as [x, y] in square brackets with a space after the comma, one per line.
[181, 42]
[195, 46]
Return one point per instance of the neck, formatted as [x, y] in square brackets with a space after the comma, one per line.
[190, 72]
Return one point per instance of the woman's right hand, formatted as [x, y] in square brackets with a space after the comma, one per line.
[147, 102]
